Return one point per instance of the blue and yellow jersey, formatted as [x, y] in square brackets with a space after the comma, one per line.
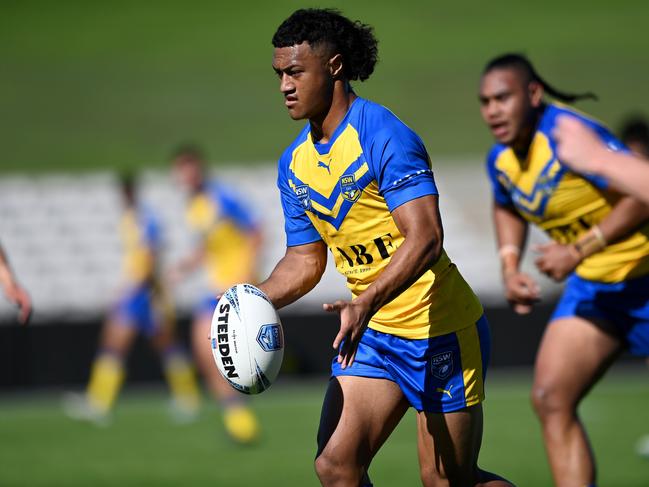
[141, 241]
[563, 204]
[225, 227]
[343, 192]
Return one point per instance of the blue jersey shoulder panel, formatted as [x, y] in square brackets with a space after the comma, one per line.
[299, 229]
[396, 155]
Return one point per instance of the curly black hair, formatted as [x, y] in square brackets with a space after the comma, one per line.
[354, 40]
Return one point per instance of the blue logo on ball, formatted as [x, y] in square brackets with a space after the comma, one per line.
[270, 337]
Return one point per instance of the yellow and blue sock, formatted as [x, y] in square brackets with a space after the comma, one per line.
[106, 379]
[181, 378]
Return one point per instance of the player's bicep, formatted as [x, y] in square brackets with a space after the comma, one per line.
[311, 256]
[420, 218]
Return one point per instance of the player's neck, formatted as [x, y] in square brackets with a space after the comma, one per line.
[522, 145]
[323, 128]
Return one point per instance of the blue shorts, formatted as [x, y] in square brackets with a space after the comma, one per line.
[623, 305]
[439, 374]
[136, 308]
[206, 306]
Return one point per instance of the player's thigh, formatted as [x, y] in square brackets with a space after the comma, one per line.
[448, 446]
[117, 335]
[573, 355]
[358, 415]
[200, 333]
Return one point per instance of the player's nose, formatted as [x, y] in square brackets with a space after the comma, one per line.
[286, 85]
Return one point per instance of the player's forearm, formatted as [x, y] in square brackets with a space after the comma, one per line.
[625, 217]
[418, 253]
[295, 275]
[626, 173]
[511, 235]
[7, 279]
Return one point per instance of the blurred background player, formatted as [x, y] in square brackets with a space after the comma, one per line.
[596, 244]
[143, 308]
[227, 246]
[14, 292]
[635, 135]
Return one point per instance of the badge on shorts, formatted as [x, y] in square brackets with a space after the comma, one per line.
[348, 188]
[302, 193]
[441, 365]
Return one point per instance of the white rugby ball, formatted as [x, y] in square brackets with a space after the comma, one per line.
[247, 339]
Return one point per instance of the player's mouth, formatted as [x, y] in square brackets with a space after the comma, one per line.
[290, 101]
[500, 130]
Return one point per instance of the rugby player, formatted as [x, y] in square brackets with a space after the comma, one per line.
[358, 181]
[142, 307]
[14, 292]
[600, 246]
[228, 239]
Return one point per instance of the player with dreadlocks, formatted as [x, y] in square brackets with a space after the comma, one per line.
[600, 243]
[358, 181]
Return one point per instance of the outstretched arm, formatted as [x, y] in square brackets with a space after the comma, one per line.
[14, 292]
[580, 149]
[419, 222]
[296, 274]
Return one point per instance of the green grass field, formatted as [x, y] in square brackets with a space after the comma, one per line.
[40, 447]
[116, 84]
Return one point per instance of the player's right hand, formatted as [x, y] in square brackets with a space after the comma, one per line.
[521, 291]
[18, 296]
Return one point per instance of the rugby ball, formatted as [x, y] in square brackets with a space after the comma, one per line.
[247, 339]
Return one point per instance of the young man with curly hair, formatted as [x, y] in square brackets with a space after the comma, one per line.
[358, 181]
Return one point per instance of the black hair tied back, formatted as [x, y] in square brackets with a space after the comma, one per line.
[520, 62]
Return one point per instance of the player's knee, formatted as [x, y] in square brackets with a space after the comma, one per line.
[548, 401]
[332, 471]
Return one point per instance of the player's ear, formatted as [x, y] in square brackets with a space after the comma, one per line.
[536, 92]
[336, 65]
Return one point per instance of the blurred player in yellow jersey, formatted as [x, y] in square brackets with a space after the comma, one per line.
[599, 246]
[141, 308]
[228, 239]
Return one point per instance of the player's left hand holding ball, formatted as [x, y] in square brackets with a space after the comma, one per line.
[354, 317]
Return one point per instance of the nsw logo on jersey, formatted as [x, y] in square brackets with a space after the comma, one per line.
[348, 188]
[441, 365]
[302, 193]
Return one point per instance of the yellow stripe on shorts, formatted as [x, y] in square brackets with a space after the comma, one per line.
[471, 357]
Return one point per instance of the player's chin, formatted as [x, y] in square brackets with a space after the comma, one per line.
[296, 113]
